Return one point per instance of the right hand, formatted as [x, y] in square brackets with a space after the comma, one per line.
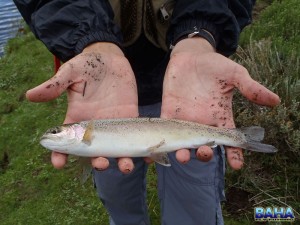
[199, 85]
[100, 84]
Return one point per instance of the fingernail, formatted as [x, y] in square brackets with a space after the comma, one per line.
[184, 161]
[127, 170]
[99, 169]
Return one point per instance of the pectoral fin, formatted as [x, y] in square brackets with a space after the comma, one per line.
[88, 134]
[86, 169]
[161, 158]
[85, 166]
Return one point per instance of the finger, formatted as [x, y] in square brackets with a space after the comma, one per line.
[204, 153]
[254, 91]
[234, 157]
[100, 163]
[183, 155]
[51, 88]
[58, 160]
[148, 160]
[126, 165]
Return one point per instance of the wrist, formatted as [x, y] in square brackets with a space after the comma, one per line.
[103, 47]
[194, 44]
[197, 33]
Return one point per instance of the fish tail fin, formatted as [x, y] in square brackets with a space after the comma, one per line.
[260, 147]
[254, 135]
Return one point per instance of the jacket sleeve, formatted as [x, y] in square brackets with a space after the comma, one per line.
[224, 19]
[67, 27]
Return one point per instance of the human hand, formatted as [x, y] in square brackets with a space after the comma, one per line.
[100, 84]
[198, 86]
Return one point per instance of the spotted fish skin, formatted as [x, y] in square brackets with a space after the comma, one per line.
[146, 137]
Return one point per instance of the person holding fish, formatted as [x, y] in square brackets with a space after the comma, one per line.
[168, 59]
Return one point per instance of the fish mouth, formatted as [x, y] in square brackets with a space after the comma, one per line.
[48, 139]
[52, 145]
[55, 143]
[47, 136]
[43, 137]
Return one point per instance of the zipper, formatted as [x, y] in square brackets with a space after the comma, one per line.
[165, 8]
[164, 13]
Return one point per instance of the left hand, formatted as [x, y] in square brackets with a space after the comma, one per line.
[100, 84]
[198, 86]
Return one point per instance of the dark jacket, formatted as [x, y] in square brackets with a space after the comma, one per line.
[66, 27]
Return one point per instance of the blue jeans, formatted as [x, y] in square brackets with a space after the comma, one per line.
[189, 194]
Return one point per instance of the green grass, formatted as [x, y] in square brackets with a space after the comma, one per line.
[278, 23]
[271, 53]
[33, 192]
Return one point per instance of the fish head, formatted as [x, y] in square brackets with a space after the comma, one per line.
[61, 138]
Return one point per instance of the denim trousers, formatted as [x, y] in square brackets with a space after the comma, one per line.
[189, 194]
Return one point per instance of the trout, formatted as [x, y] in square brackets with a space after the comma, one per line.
[147, 137]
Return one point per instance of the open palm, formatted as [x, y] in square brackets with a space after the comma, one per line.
[198, 86]
[99, 84]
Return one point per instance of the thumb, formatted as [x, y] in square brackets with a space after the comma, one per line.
[254, 91]
[51, 88]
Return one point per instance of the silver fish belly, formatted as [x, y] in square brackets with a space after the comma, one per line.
[146, 137]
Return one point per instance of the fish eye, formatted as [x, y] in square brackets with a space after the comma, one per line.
[55, 130]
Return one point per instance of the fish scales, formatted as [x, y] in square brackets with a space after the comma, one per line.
[141, 137]
[156, 130]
